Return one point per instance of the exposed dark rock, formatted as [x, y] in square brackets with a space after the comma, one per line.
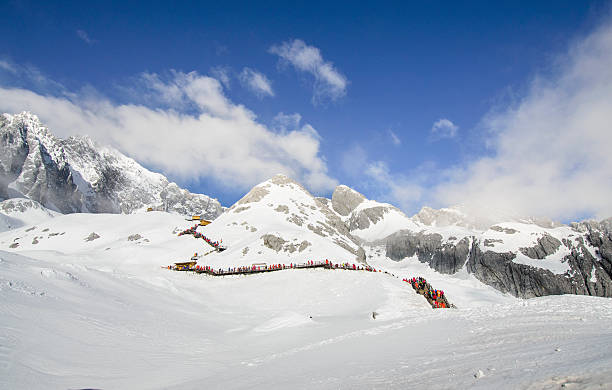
[345, 200]
[92, 236]
[273, 242]
[503, 230]
[547, 245]
[446, 258]
[491, 242]
[499, 271]
[589, 273]
[365, 217]
[282, 209]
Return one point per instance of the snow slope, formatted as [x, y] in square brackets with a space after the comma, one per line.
[19, 212]
[103, 313]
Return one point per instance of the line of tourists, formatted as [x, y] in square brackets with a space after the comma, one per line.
[436, 298]
[194, 232]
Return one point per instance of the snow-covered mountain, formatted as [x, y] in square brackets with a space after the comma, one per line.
[76, 175]
[524, 256]
[368, 219]
[279, 220]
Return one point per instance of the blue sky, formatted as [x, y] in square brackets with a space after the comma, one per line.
[368, 83]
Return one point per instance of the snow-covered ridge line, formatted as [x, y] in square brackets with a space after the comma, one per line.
[78, 175]
[524, 256]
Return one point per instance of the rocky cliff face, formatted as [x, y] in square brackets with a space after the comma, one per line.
[445, 257]
[344, 200]
[577, 261]
[76, 175]
[367, 219]
[524, 256]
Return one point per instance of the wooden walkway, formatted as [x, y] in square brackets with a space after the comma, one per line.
[194, 232]
[257, 269]
[436, 298]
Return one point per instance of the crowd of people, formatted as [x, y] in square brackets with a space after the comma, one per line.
[254, 268]
[273, 267]
[436, 298]
[194, 232]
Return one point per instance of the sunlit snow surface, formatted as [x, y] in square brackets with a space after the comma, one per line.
[105, 314]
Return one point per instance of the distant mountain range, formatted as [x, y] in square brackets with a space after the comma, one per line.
[279, 219]
[77, 175]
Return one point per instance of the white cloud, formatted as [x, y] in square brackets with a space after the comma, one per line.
[222, 74]
[329, 82]
[552, 150]
[354, 160]
[395, 188]
[7, 66]
[215, 138]
[256, 82]
[394, 138]
[84, 37]
[284, 121]
[443, 128]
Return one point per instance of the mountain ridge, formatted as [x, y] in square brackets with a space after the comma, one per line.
[77, 175]
[280, 219]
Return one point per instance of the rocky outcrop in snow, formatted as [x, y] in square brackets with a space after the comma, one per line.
[444, 257]
[547, 245]
[77, 175]
[344, 200]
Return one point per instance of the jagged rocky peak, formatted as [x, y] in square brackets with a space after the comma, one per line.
[442, 217]
[479, 219]
[345, 200]
[77, 175]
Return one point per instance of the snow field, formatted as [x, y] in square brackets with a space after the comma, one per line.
[105, 314]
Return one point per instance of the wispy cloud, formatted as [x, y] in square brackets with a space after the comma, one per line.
[256, 82]
[222, 73]
[286, 122]
[188, 130]
[329, 82]
[443, 128]
[394, 138]
[84, 37]
[8, 67]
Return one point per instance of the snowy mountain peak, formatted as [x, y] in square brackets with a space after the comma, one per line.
[77, 175]
[439, 217]
[279, 217]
